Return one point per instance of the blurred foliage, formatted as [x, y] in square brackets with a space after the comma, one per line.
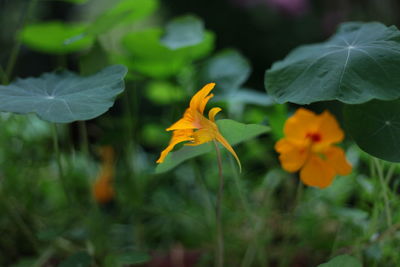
[269, 218]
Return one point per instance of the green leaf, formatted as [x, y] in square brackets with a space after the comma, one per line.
[375, 126]
[148, 56]
[342, 261]
[56, 37]
[228, 69]
[80, 259]
[76, 1]
[183, 31]
[64, 97]
[124, 259]
[234, 132]
[359, 63]
[125, 11]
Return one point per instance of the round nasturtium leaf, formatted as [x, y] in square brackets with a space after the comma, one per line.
[229, 69]
[375, 127]
[183, 31]
[359, 63]
[64, 97]
[56, 37]
[147, 55]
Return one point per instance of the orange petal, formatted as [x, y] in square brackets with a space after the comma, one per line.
[329, 129]
[225, 143]
[200, 99]
[292, 156]
[336, 158]
[187, 122]
[213, 112]
[317, 172]
[202, 136]
[178, 136]
[300, 124]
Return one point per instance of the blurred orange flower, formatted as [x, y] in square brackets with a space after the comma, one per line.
[195, 128]
[103, 190]
[308, 146]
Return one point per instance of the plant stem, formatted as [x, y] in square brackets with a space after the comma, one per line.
[384, 189]
[58, 157]
[220, 235]
[17, 46]
[84, 137]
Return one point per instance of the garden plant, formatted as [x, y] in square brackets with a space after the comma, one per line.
[132, 137]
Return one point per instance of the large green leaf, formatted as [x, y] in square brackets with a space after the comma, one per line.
[359, 63]
[233, 131]
[342, 261]
[125, 11]
[229, 69]
[183, 31]
[56, 37]
[375, 126]
[148, 56]
[64, 97]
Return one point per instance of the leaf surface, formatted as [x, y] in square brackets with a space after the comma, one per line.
[359, 63]
[64, 97]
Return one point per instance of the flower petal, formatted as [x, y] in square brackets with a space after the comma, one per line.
[186, 122]
[212, 113]
[292, 156]
[225, 143]
[200, 99]
[329, 129]
[317, 172]
[178, 136]
[336, 158]
[300, 124]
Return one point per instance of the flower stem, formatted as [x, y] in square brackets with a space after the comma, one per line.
[384, 189]
[58, 158]
[84, 138]
[219, 262]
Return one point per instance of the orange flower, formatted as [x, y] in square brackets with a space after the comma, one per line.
[103, 190]
[308, 146]
[196, 129]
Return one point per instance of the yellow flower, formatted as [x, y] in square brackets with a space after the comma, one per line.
[308, 146]
[103, 190]
[196, 129]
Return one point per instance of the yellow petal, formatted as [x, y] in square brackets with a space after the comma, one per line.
[186, 122]
[292, 156]
[329, 129]
[202, 136]
[213, 112]
[300, 124]
[200, 99]
[178, 136]
[317, 172]
[336, 158]
[225, 143]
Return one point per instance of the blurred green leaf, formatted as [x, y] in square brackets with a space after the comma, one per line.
[56, 37]
[359, 63]
[76, 1]
[183, 31]
[233, 131]
[162, 92]
[375, 128]
[342, 261]
[148, 56]
[64, 97]
[80, 259]
[125, 11]
[124, 259]
[229, 69]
